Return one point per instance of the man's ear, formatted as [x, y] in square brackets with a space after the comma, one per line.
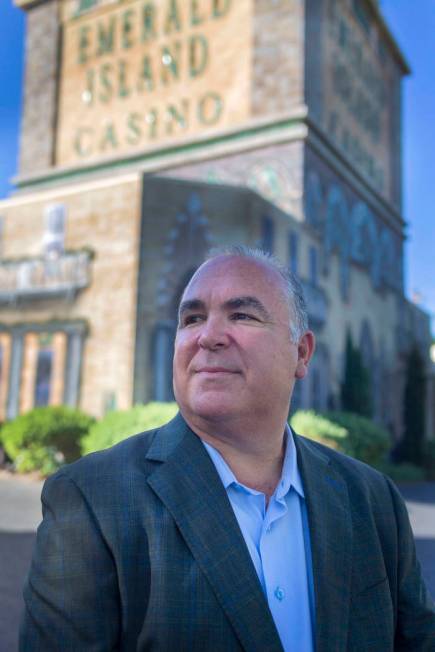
[306, 346]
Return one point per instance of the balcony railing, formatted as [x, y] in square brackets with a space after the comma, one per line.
[41, 278]
[317, 305]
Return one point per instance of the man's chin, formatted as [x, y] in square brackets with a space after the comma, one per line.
[215, 408]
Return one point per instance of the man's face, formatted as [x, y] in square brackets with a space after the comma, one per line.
[234, 357]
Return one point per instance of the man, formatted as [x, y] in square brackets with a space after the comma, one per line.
[223, 530]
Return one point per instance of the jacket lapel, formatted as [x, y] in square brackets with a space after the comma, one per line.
[188, 484]
[330, 528]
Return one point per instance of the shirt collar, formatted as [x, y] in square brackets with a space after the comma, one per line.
[290, 476]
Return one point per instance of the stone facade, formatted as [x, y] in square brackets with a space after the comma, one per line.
[38, 129]
[277, 68]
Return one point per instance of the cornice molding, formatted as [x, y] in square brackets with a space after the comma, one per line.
[28, 4]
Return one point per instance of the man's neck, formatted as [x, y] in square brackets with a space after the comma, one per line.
[254, 454]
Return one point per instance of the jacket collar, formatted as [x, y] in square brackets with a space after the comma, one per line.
[330, 526]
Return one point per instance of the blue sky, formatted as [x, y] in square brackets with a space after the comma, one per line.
[413, 25]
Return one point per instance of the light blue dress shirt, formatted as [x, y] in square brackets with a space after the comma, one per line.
[278, 542]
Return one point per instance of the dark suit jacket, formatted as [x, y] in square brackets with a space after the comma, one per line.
[139, 549]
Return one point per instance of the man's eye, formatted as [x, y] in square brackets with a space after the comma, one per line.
[242, 316]
[191, 319]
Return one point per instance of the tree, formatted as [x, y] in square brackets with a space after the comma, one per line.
[356, 394]
[414, 412]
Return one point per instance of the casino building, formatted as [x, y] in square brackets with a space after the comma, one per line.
[154, 129]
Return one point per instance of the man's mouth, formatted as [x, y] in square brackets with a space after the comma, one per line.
[216, 370]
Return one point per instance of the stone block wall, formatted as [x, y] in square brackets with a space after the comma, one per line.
[277, 67]
[40, 88]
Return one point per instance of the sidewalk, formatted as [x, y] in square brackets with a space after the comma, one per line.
[420, 501]
[20, 513]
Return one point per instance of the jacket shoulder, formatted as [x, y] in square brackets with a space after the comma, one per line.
[352, 470]
[117, 461]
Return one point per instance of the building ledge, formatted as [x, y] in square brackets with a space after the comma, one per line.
[42, 278]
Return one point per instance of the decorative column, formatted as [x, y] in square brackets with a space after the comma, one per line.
[15, 375]
[28, 372]
[73, 367]
[57, 387]
[5, 344]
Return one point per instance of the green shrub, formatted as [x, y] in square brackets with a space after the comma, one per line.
[349, 433]
[120, 424]
[402, 472]
[320, 428]
[45, 433]
[45, 459]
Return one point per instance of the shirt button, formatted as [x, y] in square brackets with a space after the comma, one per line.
[279, 593]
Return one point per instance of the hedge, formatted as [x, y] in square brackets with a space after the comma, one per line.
[120, 424]
[44, 438]
[346, 432]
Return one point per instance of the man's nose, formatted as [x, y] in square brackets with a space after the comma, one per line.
[213, 334]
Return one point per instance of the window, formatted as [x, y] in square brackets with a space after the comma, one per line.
[293, 246]
[43, 377]
[362, 15]
[313, 269]
[267, 234]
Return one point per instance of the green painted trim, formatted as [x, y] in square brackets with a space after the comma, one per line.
[67, 252]
[54, 325]
[165, 152]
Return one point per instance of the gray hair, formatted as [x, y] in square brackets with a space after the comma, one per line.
[293, 287]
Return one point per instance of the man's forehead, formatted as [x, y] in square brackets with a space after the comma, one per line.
[236, 271]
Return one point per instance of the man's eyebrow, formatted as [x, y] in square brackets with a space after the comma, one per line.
[190, 304]
[247, 302]
[234, 303]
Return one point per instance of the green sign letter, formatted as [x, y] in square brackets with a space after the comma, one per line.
[83, 43]
[148, 21]
[173, 18]
[105, 36]
[198, 55]
[210, 109]
[220, 8]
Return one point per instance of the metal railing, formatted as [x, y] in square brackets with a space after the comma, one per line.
[39, 278]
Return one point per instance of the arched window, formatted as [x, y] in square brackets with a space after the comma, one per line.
[314, 210]
[338, 235]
